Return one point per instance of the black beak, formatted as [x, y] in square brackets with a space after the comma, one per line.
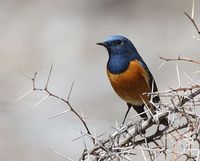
[103, 44]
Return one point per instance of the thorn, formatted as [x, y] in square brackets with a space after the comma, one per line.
[70, 91]
[188, 77]
[144, 155]
[25, 94]
[98, 136]
[26, 75]
[61, 155]
[126, 158]
[197, 70]
[35, 74]
[89, 135]
[148, 110]
[49, 76]
[84, 143]
[116, 124]
[161, 65]
[82, 135]
[193, 5]
[152, 90]
[147, 107]
[59, 114]
[178, 75]
[94, 130]
[195, 37]
[82, 115]
[44, 98]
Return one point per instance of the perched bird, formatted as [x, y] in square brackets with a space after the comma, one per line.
[129, 75]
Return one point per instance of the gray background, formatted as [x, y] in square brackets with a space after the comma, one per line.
[35, 33]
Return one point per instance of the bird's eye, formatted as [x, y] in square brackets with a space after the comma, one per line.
[116, 43]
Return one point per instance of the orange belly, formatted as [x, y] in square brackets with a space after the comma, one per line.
[131, 84]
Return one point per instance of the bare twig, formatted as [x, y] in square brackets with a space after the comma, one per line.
[179, 59]
[193, 22]
[191, 18]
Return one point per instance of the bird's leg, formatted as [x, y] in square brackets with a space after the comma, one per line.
[140, 110]
[129, 107]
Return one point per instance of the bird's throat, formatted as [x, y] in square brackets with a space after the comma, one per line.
[117, 64]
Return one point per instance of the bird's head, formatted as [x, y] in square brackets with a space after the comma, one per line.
[118, 45]
[121, 51]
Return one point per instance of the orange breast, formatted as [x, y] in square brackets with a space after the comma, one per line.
[132, 83]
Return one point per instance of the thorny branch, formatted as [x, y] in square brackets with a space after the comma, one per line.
[50, 94]
[125, 136]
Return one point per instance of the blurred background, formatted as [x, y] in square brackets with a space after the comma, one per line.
[35, 33]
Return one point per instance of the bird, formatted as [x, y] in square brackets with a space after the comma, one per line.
[129, 75]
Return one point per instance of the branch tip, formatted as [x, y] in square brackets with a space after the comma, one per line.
[70, 91]
[46, 86]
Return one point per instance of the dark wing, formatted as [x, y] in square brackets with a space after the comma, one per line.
[152, 82]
